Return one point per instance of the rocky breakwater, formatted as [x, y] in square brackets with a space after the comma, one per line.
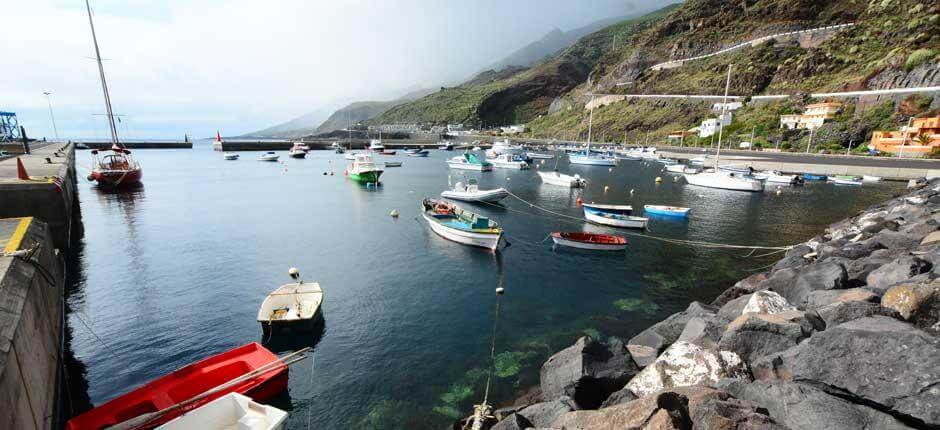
[842, 333]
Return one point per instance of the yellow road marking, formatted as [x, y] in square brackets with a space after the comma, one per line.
[14, 243]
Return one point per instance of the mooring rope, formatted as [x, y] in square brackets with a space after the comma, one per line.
[684, 242]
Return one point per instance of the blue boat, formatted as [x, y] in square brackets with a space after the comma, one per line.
[666, 210]
[418, 153]
[812, 177]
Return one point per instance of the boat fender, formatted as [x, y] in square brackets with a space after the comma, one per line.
[779, 191]
[324, 173]
[90, 179]
[631, 191]
[394, 213]
[579, 201]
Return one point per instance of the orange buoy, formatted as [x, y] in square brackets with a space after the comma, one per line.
[579, 201]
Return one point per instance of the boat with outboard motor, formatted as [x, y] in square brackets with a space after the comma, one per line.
[231, 411]
[508, 161]
[561, 179]
[230, 156]
[462, 226]
[468, 161]
[471, 192]
[269, 156]
[776, 177]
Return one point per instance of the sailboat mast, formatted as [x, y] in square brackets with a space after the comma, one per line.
[724, 105]
[104, 84]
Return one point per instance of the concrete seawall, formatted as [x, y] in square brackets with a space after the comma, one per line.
[283, 145]
[142, 145]
[31, 325]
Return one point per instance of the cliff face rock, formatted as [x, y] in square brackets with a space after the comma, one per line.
[815, 343]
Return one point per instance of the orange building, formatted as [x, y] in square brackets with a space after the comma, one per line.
[921, 138]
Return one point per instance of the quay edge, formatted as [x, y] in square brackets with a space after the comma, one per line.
[843, 332]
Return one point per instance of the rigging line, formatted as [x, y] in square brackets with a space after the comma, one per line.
[106, 346]
[499, 292]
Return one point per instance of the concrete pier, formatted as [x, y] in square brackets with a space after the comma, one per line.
[283, 145]
[142, 145]
[31, 325]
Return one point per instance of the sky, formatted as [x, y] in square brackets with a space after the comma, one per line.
[178, 66]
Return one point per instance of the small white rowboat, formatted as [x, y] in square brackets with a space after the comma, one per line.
[472, 193]
[295, 306]
[598, 242]
[560, 179]
[615, 219]
[231, 411]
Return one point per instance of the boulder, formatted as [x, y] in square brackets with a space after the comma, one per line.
[794, 258]
[906, 213]
[818, 299]
[801, 406]
[910, 299]
[545, 413]
[587, 372]
[766, 302]
[899, 270]
[900, 239]
[878, 361]
[679, 408]
[825, 275]
[620, 397]
[734, 308]
[841, 312]
[930, 239]
[745, 286]
[512, 422]
[754, 335]
[662, 334]
[642, 355]
[684, 364]
[704, 331]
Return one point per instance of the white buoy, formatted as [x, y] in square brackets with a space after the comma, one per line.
[779, 191]
[606, 188]
[659, 179]
[610, 169]
[631, 191]
[293, 272]
[500, 290]
[394, 213]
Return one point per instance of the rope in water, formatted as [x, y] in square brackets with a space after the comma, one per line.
[684, 242]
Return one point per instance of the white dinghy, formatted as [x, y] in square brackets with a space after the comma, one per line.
[231, 411]
[471, 192]
[561, 179]
[295, 306]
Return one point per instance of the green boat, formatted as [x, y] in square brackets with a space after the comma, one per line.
[363, 170]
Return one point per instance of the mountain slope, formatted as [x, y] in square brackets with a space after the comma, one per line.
[294, 127]
[361, 111]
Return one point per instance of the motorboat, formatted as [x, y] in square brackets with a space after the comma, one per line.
[737, 168]
[667, 161]
[376, 145]
[813, 177]
[300, 146]
[561, 179]
[588, 159]
[599, 242]
[363, 170]
[445, 146]
[231, 411]
[419, 153]
[666, 210]
[614, 219]
[335, 145]
[477, 148]
[294, 306]
[387, 152]
[471, 192]
[628, 155]
[867, 178]
[269, 156]
[618, 209]
[675, 168]
[80, 145]
[456, 224]
[846, 180]
[230, 156]
[501, 147]
[350, 155]
[776, 177]
[724, 180]
[539, 156]
[508, 161]
[393, 164]
[468, 161]
[697, 161]
[191, 384]
[297, 153]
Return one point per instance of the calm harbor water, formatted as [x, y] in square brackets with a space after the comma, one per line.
[175, 271]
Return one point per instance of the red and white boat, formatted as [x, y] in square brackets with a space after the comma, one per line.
[189, 383]
[117, 169]
[597, 242]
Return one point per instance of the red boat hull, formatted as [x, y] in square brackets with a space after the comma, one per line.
[189, 382]
[116, 178]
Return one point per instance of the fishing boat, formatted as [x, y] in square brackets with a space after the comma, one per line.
[846, 180]
[376, 145]
[724, 180]
[230, 156]
[776, 177]
[618, 209]
[538, 156]
[812, 177]
[231, 411]
[297, 153]
[300, 146]
[867, 178]
[468, 161]
[363, 170]
[471, 192]
[501, 147]
[419, 153]
[675, 168]
[461, 226]
[294, 306]
[250, 369]
[445, 146]
[598, 242]
[114, 167]
[666, 210]
[269, 156]
[614, 219]
[393, 164]
[508, 161]
[561, 179]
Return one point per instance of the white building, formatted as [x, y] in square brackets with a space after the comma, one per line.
[710, 125]
[730, 106]
[455, 127]
[513, 129]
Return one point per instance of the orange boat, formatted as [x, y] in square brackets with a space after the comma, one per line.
[189, 382]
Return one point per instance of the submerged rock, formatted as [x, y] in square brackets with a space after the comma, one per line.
[587, 372]
[684, 364]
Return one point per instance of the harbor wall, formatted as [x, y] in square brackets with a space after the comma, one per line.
[142, 145]
[31, 327]
[842, 332]
[320, 144]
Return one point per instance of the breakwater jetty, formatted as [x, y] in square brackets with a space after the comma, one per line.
[142, 145]
[319, 144]
[843, 332]
[38, 223]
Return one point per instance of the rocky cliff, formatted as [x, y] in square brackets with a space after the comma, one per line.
[842, 333]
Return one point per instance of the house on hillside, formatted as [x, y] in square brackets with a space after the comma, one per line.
[814, 116]
[711, 125]
[513, 129]
[915, 141]
[730, 106]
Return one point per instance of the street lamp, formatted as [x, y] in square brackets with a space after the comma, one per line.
[49, 101]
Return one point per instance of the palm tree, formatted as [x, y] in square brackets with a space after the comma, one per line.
[922, 139]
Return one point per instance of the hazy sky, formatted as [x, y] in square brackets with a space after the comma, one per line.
[195, 66]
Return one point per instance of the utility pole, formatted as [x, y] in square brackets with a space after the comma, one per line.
[49, 101]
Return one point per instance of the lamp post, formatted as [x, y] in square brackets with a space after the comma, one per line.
[49, 102]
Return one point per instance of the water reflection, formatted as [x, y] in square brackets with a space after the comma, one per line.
[283, 341]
